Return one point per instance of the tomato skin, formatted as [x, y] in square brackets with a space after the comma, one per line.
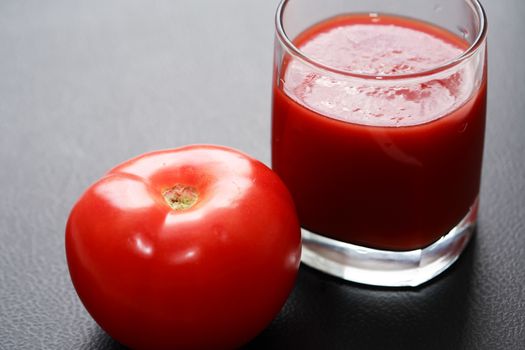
[209, 277]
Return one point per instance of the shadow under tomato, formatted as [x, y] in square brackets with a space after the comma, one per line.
[324, 312]
[100, 340]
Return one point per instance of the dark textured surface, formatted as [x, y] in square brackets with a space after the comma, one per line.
[87, 84]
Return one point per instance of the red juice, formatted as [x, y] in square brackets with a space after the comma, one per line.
[383, 166]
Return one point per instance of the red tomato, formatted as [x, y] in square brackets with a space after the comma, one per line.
[191, 248]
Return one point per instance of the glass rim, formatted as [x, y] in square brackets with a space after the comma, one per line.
[295, 51]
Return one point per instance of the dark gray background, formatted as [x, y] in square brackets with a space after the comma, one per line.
[87, 84]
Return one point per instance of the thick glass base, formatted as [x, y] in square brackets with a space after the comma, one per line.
[388, 268]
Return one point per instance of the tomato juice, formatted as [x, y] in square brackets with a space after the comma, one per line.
[369, 161]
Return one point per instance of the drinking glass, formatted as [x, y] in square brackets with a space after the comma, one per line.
[383, 162]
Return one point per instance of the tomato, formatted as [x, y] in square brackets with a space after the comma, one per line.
[191, 248]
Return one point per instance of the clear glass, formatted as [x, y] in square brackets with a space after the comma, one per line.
[384, 163]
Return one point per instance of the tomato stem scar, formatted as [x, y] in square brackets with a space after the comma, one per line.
[180, 197]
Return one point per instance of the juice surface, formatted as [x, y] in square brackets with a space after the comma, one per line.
[390, 167]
